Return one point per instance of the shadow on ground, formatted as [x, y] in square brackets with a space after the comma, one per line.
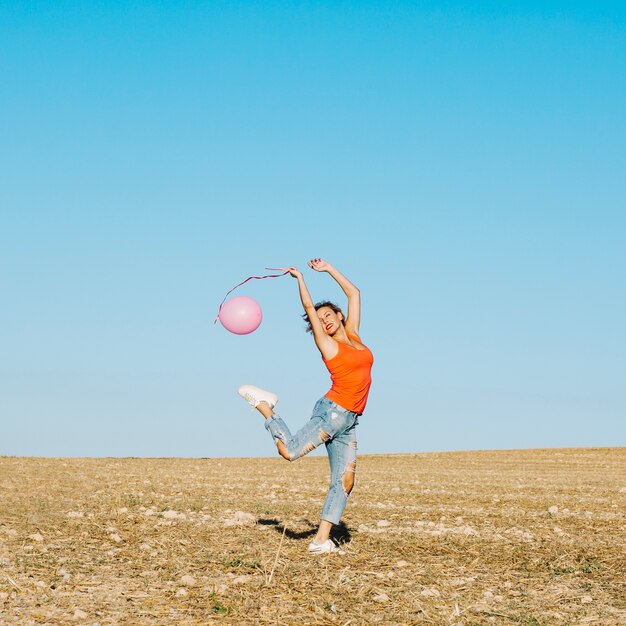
[340, 533]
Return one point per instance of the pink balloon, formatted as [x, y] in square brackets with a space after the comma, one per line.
[240, 315]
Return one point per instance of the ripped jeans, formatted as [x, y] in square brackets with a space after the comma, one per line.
[335, 427]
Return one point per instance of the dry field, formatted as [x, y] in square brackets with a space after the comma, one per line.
[531, 538]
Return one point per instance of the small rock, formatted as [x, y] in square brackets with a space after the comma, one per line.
[381, 597]
[553, 510]
[240, 580]
[36, 537]
[383, 523]
[430, 592]
[75, 514]
[173, 515]
[241, 518]
[402, 564]
[182, 592]
[188, 581]
[586, 599]
[78, 614]
[115, 537]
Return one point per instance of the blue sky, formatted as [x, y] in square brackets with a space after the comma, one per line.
[463, 163]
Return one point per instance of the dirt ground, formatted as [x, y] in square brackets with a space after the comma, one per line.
[530, 537]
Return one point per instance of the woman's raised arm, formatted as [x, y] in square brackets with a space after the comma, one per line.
[326, 345]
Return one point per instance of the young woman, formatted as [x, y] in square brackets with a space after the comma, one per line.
[335, 415]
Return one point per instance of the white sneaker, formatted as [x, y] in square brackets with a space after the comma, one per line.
[253, 395]
[323, 548]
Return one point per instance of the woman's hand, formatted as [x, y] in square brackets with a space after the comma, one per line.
[319, 265]
[292, 270]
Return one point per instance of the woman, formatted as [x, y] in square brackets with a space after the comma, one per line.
[335, 415]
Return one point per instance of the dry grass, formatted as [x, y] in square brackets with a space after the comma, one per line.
[528, 538]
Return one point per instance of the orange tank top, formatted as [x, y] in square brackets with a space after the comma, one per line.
[350, 374]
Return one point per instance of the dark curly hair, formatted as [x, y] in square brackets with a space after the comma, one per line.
[319, 305]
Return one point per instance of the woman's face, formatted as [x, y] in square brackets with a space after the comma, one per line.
[331, 321]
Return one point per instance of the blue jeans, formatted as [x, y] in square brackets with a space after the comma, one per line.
[335, 427]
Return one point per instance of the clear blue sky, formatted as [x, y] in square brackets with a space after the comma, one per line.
[462, 162]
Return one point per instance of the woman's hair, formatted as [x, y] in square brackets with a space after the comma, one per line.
[319, 305]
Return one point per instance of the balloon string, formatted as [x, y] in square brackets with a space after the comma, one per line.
[245, 281]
